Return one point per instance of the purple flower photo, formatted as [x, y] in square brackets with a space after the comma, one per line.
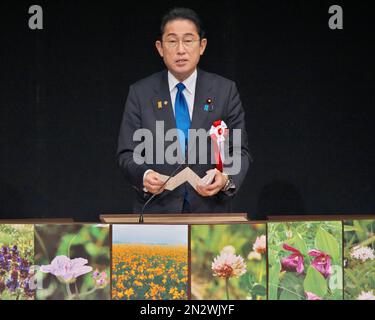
[74, 262]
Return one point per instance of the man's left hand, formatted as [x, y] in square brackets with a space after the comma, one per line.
[219, 182]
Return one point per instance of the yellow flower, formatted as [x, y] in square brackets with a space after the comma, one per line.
[138, 283]
[129, 292]
[145, 266]
[173, 290]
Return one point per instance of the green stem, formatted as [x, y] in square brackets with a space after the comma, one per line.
[260, 275]
[286, 289]
[70, 244]
[87, 293]
[227, 287]
[77, 292]
[68, 290]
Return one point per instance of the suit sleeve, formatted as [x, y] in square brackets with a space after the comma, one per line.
[131, 121]
[237, 149]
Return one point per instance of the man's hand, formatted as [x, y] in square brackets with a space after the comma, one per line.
[219, 182]
[153, 183]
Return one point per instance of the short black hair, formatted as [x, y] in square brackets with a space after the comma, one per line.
[184, 14]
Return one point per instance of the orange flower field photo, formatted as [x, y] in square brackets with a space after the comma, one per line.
[144, 268]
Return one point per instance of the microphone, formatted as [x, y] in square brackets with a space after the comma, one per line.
[141, 220]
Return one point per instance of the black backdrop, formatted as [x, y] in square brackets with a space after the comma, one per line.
[308, 93]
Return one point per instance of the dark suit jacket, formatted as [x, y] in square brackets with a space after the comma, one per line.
[142, 111]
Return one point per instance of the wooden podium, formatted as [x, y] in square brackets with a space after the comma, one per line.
[180, 218]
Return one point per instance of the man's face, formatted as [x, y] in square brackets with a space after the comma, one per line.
[181, 47]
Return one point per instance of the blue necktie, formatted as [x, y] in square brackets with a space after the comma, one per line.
[183, 123]
[182, 117]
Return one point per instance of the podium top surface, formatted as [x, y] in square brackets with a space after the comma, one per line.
[180, 218]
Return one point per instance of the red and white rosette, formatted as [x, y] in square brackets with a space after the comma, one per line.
[218, 133]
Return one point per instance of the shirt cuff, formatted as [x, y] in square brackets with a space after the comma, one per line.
[230, 189]
[144, 176]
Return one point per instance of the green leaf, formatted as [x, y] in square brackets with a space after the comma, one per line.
[336, 295]
[286, 295]
[258, 290]
[361, 233]
[273, 282]
[350, 228]
[92, 249]
[291, 287]
[315, 282]
[327, 243]
[65, 243]
[95, 231]
[336, 278]
[5, 239]
[298, 243]
[251, 279]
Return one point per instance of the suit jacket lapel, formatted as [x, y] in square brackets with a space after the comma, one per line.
[163, 97]
[202, 93]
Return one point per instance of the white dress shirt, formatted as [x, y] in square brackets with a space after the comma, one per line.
[189, 91]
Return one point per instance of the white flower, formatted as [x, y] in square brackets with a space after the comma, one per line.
[362, 253]
[260, 244]
[228, 249]
[366, 296]
[227, 265]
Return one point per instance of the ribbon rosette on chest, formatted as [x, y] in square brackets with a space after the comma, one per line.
[218, 133]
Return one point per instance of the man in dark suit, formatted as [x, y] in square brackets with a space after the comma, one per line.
[182, 97]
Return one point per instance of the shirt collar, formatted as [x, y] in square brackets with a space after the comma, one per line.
[189, 83]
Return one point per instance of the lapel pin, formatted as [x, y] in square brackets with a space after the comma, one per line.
[165, 102]
[209, 105]
[159, 105]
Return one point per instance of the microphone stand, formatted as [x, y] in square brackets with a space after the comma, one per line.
[141, 219]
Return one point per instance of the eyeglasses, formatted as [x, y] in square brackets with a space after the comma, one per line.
[187, 43]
